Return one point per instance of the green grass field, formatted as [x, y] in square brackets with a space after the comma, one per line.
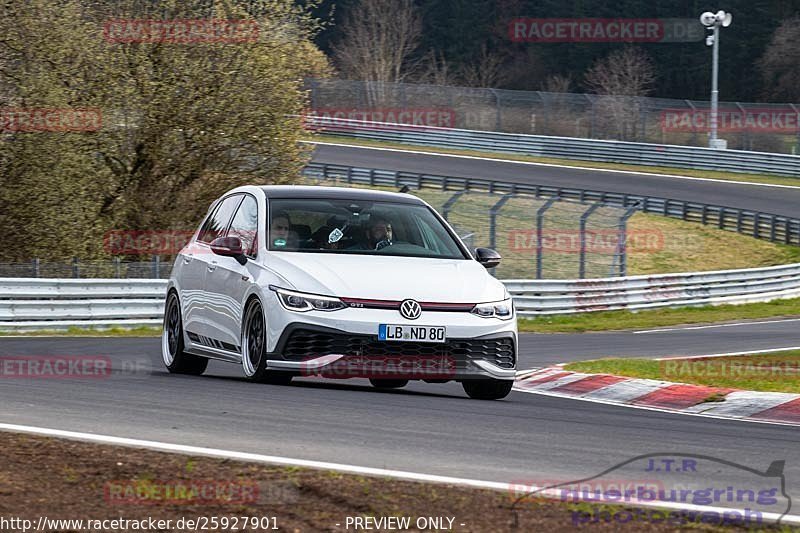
[656, 318]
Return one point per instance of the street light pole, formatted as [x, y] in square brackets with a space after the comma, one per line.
[713, 22]
[712, 140]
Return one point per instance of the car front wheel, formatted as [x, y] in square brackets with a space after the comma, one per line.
[487, 389]
[254, 348]
[175, 358]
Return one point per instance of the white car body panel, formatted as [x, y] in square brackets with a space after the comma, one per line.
[388, 277]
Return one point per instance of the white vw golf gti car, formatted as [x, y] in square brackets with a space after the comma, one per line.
[334, 282]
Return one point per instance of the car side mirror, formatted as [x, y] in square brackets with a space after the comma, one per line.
[229, 247]
[487, 257]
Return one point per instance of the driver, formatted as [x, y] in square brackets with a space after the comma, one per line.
[378, 234]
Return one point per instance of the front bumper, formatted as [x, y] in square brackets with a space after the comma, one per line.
[313, 350]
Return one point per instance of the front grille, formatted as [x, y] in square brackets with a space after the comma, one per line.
[304, 344]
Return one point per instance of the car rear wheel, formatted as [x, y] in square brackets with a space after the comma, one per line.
[175, 358]
[254, 348]
[487, 389]
[388, 383]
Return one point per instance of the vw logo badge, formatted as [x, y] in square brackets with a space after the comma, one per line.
[410, 309]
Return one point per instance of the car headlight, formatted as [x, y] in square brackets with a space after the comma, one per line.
[302, 302]
[503, 310]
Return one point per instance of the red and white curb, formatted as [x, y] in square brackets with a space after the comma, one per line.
[778, 407]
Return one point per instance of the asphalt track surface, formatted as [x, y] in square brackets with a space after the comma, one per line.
[426, 428]
[775, 200]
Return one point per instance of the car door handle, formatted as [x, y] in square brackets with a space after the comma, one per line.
[212, 267]
[187, 259]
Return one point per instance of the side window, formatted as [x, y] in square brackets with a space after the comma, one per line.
[245, 225]
[215, 224]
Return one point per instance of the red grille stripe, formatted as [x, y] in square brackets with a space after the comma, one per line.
[395, 304]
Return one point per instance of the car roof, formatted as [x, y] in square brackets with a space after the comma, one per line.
[337, 193]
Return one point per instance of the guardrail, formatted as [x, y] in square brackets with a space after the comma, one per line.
[38, 304]
[775, 228]
[53, 304]
[553, 297]
[659, 155]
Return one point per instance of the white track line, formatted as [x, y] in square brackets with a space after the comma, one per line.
[710, 326]
[566, 380]
[593, 169]
[398, 474]
[729, 354]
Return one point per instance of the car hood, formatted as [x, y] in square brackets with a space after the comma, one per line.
[387, 277]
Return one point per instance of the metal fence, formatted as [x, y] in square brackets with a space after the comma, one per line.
[157, 267]
[53, 304]
[746, 126]
[771, 227]
[538, 237]
[543, 232]
[659, 155]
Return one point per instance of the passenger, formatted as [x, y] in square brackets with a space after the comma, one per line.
[279, 236]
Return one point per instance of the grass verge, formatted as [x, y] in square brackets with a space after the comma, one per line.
[711, 174]
[772, 372]
[622, 320]
[89, 332]
[75, 480]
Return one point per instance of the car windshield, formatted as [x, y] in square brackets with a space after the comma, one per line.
[359, 227]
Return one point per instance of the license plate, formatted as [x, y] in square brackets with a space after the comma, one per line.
[405, 333]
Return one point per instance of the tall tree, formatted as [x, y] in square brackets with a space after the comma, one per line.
[378, 38]
[779, 64]
[620, 78]
[182, 121]
[626, 72]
